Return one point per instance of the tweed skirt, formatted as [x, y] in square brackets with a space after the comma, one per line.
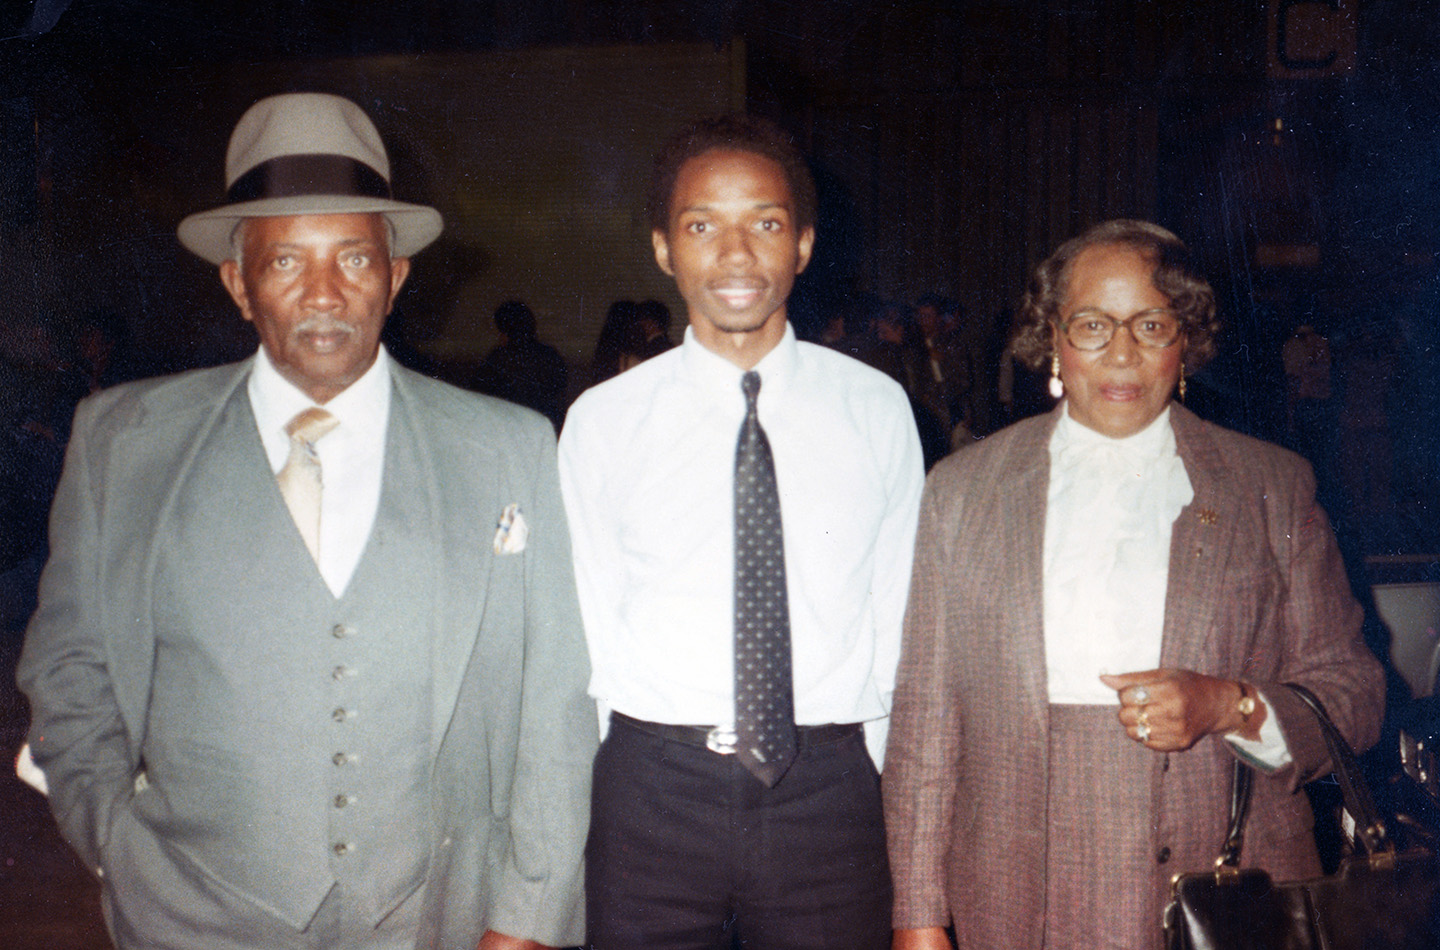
[1103, 890]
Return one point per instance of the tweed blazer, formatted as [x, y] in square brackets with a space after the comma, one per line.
[513, 733]
[1256, 591]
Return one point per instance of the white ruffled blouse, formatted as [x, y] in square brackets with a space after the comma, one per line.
[1111, 507]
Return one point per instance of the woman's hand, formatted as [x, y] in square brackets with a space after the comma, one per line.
[1171, 710]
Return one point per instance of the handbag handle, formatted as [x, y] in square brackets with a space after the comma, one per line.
[1370, 829]
[1241, 780]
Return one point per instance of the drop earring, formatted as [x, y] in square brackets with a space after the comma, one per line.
[1057, 388]
[1182, 387]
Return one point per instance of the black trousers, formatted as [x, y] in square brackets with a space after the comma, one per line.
[687, 850]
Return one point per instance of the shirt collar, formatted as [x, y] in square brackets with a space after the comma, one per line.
[363, 405]
[1073, 441]
[715, 373]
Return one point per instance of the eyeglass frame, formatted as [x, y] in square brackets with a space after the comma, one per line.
[1090, 313]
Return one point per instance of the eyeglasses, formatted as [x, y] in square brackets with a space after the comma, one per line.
[1094, 329]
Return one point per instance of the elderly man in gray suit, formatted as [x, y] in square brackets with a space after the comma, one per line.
[308, 670]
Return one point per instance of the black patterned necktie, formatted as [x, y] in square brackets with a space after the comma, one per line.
[764, 692]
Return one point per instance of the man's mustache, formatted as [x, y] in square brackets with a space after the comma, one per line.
[319, 325]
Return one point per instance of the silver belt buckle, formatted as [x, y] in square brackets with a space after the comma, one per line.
[721, 740]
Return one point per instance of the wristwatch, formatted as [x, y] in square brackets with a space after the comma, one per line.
[1245, 706]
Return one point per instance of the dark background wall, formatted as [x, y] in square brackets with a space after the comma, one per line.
[1292, 142]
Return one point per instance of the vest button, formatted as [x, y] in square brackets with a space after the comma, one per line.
[342, 800]
[340, 631]
[339, 758]
[339, 673]
[342, 848]
[339, 715]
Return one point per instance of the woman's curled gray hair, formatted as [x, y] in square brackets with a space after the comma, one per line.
[1175, 277]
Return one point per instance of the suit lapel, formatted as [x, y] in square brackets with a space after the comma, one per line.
[159, 450]
[1028, 491]
[460, 503]
[1200, 548]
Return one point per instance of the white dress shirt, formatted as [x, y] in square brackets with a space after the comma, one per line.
[352, 456]
[1109, 515]
[647, 464]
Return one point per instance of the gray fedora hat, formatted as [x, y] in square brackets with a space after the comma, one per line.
[306, 153]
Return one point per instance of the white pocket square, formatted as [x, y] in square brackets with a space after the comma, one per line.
[511, 531]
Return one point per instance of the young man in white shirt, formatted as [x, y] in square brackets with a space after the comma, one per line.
[710, 822]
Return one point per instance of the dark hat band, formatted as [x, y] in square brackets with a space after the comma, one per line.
[293, 176]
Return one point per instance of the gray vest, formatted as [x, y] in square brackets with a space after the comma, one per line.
[288, 740]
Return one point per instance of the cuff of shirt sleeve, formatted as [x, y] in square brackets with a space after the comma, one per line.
[1270, 752]
[29, 773]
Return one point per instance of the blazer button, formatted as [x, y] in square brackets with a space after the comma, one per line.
[339, 758]
[342, 848]
[339, 715]
[339, 673]
[342, 800]
[1162, 856]
[340, 631]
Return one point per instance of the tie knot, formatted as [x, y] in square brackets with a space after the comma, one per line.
[311, 425]
[750, 385]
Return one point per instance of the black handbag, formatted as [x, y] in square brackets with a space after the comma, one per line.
[1380, 898]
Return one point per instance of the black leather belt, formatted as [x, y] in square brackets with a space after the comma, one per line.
[721, 740]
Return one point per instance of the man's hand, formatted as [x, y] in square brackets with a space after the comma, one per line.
[494, 941]
[921, 938]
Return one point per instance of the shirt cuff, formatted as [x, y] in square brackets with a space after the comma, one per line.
[30, 773]
[1270, 752]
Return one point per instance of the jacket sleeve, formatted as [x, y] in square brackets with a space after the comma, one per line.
[77, 735]
[1322, 647]
[927, 740]
[538, 891]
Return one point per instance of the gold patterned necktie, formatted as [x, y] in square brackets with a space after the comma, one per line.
[764, 689]
[300, 482]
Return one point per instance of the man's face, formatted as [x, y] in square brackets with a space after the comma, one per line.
[928, 317]
[734, 249]
[318, 288]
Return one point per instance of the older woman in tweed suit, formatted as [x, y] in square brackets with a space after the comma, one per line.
[1106, 602]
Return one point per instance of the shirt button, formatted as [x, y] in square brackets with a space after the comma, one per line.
[339, 673]
[1162, 856]
[342, 848]
[342, 800]
[339, 715]
[340, 631]
[339, 758]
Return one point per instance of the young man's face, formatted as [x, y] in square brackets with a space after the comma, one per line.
[734, 249]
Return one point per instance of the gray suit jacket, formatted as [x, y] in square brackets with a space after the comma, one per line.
[513, 731]
[1256, 591]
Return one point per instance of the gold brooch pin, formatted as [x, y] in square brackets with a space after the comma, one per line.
[1208, 516]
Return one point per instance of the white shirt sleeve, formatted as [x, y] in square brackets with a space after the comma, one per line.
[1270, 752]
